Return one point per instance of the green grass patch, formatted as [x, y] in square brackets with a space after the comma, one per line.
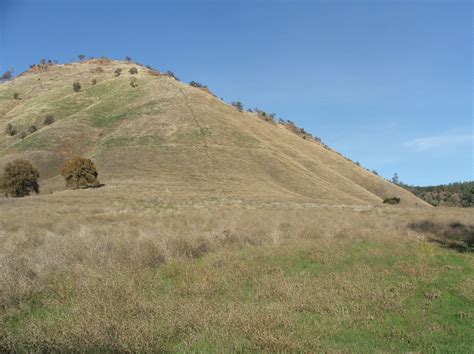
[30, 142]
[340, 296]
[193, 135]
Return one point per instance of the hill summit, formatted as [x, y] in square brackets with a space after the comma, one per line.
[147, 131]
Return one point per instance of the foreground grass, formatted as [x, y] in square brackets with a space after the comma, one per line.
[299, 286]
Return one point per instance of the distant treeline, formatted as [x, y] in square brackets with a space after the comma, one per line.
[459, 194]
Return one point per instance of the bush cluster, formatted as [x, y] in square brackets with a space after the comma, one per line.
[133, 70]
[7, 75]
[392, 200]
[197, 84]
[11, 130]
[80, 173]
[20, 179]
[76, 86]
[171, 74]
[48, 120]
[133, 82]
[238, 105]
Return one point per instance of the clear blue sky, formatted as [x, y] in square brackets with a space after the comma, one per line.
[387, 83]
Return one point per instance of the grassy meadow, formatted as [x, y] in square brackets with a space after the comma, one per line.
[231, 277]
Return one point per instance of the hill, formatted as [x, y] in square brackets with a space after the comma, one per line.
[217, 230]
[147, 131]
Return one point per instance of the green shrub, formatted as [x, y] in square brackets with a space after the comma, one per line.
[81, 57]
[94, 82]
[455, 235]
[393, 200]
[76, 86]
[20, 179]
[48, 120]
[133, 82]
[7, 75]
[133, 70]
[16, 96]
[117, 72]
[80, 173]
[32, 129]
[11, 130]
[196, 84]
[238, 105]
[171, 74]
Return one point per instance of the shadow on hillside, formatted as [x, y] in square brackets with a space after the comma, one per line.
[454, 235]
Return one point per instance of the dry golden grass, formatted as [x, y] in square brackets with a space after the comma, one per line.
[272, 277]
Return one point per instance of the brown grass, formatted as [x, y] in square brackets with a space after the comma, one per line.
[127, 280]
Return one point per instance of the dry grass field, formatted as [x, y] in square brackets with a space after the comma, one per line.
[237, 276]
[215, 231]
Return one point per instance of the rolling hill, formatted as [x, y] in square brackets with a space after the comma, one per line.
[149, 131]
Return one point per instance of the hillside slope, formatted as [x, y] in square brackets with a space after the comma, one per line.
[167, 137]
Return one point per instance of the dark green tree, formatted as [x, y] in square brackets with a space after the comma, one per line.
[20, 178]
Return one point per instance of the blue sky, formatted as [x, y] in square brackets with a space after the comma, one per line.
[386, 83]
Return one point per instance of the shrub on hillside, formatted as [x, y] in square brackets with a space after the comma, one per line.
[7, 75]
[117, 72]
[127, 58]
[80, 173]
[81, 57]
[133, 70]
[76, 86]
[48, 120]
[455, 235]
[133, 82]
[171, 74]
[32, 129]
[392, 201]
[16, 96]
[20, 179]
[238, 105]
[196, 84]
[11, 130]
[94, 82]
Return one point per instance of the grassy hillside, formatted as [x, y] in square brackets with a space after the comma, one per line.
[172, 136]
[216, 231]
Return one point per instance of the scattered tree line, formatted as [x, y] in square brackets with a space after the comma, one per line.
[459, 194]
[11, 130]
[20, 177]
